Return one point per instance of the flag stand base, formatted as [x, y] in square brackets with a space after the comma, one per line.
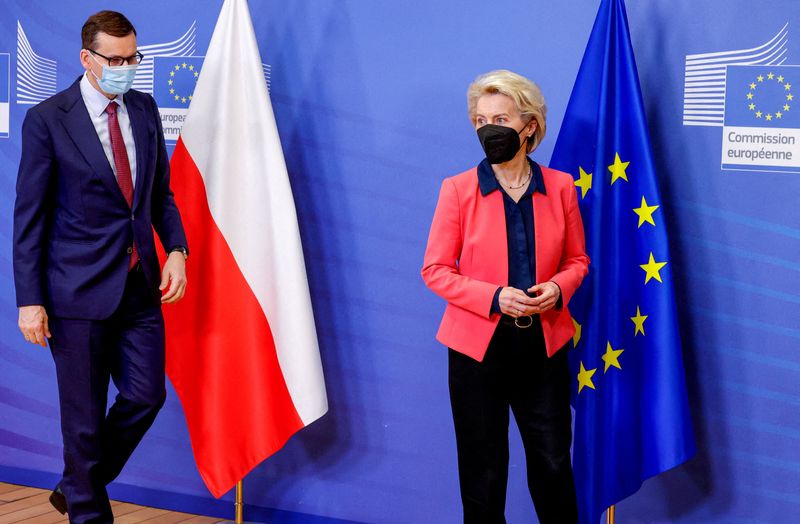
[238, 506]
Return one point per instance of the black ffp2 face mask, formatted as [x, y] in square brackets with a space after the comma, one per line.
[500, 143]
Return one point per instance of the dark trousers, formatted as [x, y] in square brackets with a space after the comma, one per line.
[128, 348]
[516, 374]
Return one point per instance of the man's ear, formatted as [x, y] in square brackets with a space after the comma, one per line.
[85, 58]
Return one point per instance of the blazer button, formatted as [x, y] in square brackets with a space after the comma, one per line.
[130, 250]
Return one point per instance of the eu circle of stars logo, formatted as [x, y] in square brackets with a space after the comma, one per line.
[181, 76]
[762, 94]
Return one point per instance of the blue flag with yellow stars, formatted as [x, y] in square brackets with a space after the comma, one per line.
[631, 412]
[174, 80]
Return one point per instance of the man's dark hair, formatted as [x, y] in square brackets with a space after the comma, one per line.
[109, 22]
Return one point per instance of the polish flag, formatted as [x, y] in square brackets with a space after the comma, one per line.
[242, 348]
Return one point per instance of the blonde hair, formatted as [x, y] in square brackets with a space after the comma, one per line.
[526, 96]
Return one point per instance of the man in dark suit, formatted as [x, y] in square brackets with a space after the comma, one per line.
[93, 183]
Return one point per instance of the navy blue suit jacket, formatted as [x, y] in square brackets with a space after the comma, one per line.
[73, 229]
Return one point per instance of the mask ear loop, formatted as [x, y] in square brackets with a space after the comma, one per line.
[525, 142]
[96, 62]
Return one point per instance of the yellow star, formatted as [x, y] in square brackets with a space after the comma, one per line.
[786, 107]
[638, 321]
[787, 86]
[645, 213]
[171, 91]
[652, 269]
[585, 378]
[769, 116]
[170, 81]
[790, 97]
[183, 100]
[183, 65]
[172, 73]
[760, 78]
[752, 106]
[780, 78]
[190, 97]
[749, 96]
[758, 114]
[577, 336]
[584, 182]
[618, 169]
[191, 68]
[177, 67]
[611, 357]
[752, 86]
[778, 114]
[177, 97]
[196, 74]
[771, 76]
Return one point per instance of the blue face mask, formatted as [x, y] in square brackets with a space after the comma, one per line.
[116, 80]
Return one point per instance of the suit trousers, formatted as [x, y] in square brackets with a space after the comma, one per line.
[128, 348]
[517, 374]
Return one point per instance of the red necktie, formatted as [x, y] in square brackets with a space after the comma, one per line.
[124, 178]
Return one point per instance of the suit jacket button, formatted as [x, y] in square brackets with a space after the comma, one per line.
[130, 250]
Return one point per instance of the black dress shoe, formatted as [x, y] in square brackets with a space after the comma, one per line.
[58, 500]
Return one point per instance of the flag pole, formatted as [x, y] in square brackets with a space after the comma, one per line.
[239, 503]
[610, 514]
[238, 506]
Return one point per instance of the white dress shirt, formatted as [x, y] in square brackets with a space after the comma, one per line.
[96, 103]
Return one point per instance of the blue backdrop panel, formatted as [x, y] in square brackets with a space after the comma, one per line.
[370, 103]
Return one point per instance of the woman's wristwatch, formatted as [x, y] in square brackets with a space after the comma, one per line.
[180, 249]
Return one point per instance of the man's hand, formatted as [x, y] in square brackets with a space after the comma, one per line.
[33, 324]
[515, 303]
[173, 276]
[546, 296]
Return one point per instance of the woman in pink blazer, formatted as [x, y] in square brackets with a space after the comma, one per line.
[506, 250]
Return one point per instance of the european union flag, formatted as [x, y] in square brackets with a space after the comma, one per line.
[762, 96]
[174, 79]
[631, 411]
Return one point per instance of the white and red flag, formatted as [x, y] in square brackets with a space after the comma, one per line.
[242, 348]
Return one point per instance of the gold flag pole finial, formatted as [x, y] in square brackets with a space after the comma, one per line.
[610, 515]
